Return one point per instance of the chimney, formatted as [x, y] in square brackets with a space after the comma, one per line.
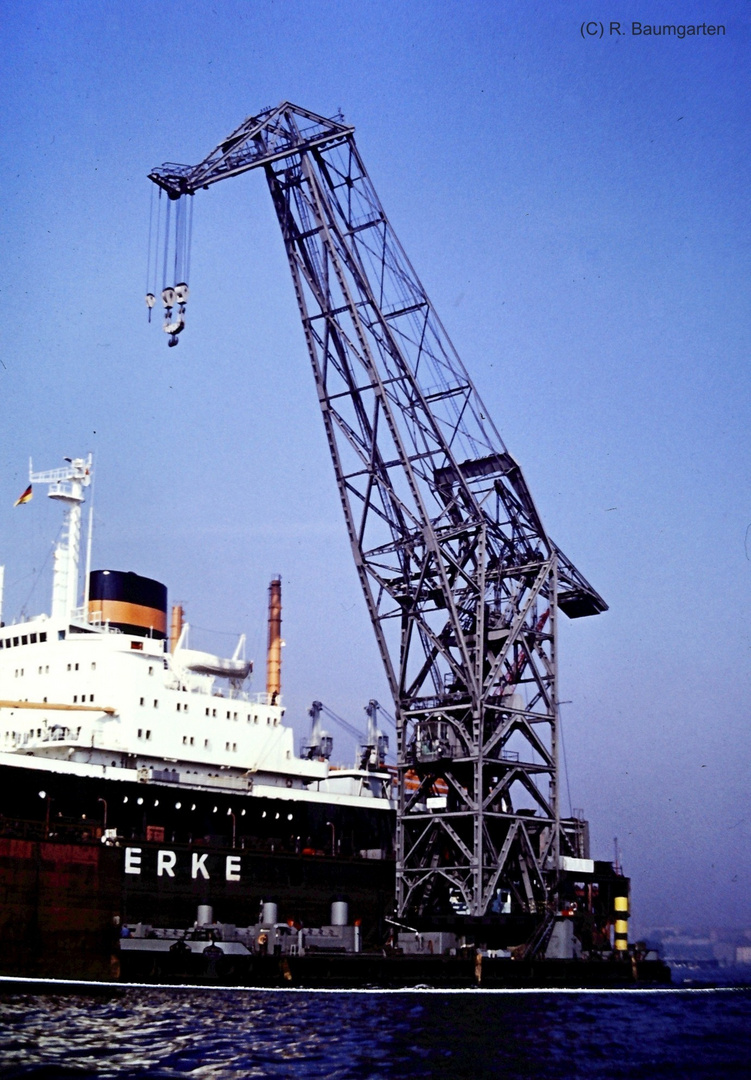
[176, 626]
[274, 655]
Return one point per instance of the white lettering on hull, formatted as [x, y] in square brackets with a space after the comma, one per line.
[199, 866]
[165, 863]
[132, 860]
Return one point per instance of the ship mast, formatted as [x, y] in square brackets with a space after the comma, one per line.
[66, 486]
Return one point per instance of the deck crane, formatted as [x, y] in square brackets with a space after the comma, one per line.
[371, 748]
[461, 580]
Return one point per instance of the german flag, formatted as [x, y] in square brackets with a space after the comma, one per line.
[26, 497]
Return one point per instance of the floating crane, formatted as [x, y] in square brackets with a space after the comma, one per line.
[462, 583]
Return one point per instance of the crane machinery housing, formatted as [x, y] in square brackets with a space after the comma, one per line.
[462, 583]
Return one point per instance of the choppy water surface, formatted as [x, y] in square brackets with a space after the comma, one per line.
[228, 1034]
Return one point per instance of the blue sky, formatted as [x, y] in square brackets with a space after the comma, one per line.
[578, 212]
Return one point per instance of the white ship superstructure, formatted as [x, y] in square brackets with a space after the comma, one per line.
[95, 691]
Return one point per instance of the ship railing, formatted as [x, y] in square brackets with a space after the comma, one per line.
[92, 618]
[55, 734]
[263, 698]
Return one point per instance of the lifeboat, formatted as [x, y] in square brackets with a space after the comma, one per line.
[203, 663]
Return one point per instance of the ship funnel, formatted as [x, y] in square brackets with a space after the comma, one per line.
[129, 603]
[274, 654]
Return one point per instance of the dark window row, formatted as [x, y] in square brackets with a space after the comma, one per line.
[22, 639]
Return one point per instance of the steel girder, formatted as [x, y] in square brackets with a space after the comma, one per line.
[462, 583]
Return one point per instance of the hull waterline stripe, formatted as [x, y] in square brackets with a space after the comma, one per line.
[94, 984]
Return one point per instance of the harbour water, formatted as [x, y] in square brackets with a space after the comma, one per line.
[161, 1034]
